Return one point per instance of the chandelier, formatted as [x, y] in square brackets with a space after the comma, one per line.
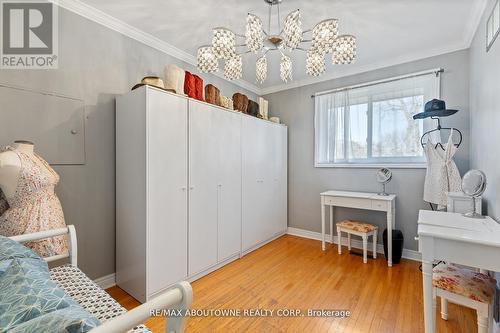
[322, 40]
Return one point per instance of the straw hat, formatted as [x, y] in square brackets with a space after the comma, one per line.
[153, 81]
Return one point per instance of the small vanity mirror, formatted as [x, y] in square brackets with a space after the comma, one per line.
[384, 176]
[473, 185]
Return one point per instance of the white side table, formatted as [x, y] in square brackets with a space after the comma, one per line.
[360, 200]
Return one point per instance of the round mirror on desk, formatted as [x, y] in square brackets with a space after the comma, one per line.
[473, 185]
[384, 176]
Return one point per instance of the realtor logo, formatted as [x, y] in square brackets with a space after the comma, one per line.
[29, 35]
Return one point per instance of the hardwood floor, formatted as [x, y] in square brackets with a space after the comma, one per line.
[294, 273]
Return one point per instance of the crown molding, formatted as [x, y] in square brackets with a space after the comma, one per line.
[473, 23]
[95, 15]
[110, 22]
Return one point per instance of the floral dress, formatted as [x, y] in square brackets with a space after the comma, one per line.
[35, 206]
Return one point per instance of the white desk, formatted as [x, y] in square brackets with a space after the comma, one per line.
[457, 239]
[360, 200]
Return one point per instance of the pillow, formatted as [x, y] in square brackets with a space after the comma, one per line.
[73, 319]
[10, 249]
[27, 292]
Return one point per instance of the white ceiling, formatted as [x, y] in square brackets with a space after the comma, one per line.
[389, 31]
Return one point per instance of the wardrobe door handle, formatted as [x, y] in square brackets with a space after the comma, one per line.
[184, 188]
[191, 187]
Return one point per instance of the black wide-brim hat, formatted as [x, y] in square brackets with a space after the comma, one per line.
[435, 108]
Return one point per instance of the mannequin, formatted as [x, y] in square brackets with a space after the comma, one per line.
[28, 202]
[10, 167]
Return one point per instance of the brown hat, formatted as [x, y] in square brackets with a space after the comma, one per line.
[153, 81]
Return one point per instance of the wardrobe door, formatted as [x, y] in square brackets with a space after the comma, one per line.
[279, 179]
[229, 183]
[283, 179]
[254, 196]
[203, 186]
[271, 184]
[166, 187]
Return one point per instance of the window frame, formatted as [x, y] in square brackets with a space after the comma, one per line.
[494, 17]
[378, 162]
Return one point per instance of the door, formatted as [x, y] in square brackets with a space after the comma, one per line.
[254, 169]
[167, 192]
[229, 183]
[203, 187]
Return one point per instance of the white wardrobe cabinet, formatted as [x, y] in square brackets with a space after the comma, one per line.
[264, 181]
[196, 187]
[151, 191]
[215, 185]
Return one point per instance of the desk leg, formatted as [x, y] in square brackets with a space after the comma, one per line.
[322, 224]
[389, 235]
[429, 300]
[331, 224]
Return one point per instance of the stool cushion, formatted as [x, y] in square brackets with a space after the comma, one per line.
[463, 281]
[357, 226]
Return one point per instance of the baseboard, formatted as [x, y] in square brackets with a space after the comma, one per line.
[261, 244]
[107, 281]
[358, 244]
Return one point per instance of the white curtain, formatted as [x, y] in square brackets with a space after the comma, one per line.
[329, 116]
[373, 123]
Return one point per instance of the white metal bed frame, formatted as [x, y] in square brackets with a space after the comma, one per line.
[179, 297]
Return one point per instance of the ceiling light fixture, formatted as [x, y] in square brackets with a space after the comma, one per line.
[324, 40]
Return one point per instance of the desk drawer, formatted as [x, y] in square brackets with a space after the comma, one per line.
[360, 203]
[379, 205]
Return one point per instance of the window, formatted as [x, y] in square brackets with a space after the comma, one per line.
[372, 124]
[493, 26]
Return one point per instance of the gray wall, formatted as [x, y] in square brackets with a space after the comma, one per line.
[296, 109]
[96, 64]
[485, 113]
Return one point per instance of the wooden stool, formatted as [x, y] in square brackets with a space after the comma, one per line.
[360, 229]
[465, 287]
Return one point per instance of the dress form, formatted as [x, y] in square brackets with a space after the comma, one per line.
[10, 166]
[28, 202]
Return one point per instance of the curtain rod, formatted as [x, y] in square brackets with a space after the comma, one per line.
[435, 71]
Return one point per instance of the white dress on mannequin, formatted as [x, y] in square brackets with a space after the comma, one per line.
[442, 174]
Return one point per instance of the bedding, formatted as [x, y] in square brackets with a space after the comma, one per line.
[30, 301]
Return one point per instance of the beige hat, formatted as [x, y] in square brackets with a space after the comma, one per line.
[174, 78]
[153, 81]
[226, 102]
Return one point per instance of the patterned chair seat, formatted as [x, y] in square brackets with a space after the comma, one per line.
[89, 295]
[357, 226]
[463, 281]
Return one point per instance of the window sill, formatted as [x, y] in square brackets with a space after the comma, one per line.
[374, 165]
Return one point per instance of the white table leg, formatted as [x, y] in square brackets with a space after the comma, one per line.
[389, 235]
[429, 299]
[331, 224]
[339, 237]
[365, 248]
[322, 224]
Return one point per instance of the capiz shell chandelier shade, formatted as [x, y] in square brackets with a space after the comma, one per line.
[324, 35]
[344, 50]
[253, 34]
[286, 68]
[233, 70]
[261, 69]
[207, 61]
[315, 63]
[224, 43]
[262, 38]
[292, 31]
